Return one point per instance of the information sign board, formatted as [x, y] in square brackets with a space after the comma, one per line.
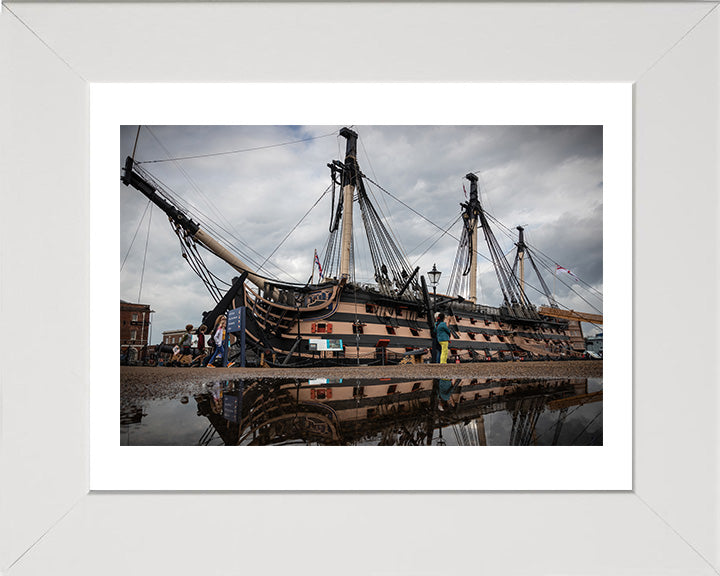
[236, 319]
[321, 345]
[231, 407]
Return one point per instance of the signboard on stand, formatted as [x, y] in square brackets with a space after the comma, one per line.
[236, 325]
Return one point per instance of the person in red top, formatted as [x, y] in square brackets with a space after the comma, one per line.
[201, 341]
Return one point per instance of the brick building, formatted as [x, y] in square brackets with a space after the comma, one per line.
[172, 337]
[134, 328]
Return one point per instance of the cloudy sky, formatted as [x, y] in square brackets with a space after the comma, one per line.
[548, 179]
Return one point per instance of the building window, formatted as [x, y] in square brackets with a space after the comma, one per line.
[134, 317]
[133, 335]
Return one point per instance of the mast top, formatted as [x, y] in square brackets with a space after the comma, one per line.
[347, 133]
[350, 170]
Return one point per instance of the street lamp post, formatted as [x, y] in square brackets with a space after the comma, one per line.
[434, 276]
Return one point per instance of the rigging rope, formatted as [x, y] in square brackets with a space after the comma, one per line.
[447, 230]
[296, 225]
[586, 427]
[187, 205]
[147, 240]
[552, 270]
[240, 151]
[478, 253]
[511, 235]
[134, 236]
[206, 225]
[549, 268]
[598, 293]
[388, 217]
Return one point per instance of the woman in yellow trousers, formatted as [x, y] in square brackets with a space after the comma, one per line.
[443, 336]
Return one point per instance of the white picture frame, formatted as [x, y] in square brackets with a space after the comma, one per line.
[668, 523]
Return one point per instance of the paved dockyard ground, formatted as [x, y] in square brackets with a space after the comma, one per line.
[138, 381]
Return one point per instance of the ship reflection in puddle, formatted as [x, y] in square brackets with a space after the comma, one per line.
[477, 412]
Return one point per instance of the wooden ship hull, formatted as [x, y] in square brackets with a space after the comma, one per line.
[376, 330]
[390, 411]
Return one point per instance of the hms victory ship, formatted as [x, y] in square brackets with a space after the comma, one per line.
[337, 320]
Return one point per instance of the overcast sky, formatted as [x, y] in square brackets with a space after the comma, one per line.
[548, 179]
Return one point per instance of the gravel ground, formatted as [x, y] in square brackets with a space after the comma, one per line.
[141, 382]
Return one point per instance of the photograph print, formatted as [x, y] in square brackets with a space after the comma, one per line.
[361, 285]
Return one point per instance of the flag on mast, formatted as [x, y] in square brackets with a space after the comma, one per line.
[317, 261]
[561, 269]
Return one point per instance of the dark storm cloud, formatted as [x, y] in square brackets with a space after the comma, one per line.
[546, 178]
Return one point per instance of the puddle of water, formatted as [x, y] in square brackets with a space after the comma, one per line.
[364, 412]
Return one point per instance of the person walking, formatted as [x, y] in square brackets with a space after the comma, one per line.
[443, 336]
[219, 338]
[201, 338]
[186, 342]
[435, 346]
[201, 342]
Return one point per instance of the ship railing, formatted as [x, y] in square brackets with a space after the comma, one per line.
[489, 310]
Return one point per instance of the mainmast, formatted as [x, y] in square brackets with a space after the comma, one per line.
[348, 183]
[470, 217]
